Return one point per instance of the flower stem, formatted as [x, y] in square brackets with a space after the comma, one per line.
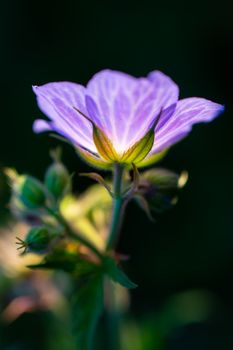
[117, 205]
[113, 316]
[74, 235]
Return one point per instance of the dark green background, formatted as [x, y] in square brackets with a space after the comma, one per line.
[192, 41]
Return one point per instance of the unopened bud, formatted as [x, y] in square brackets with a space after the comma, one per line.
[160, 188]
[38, 239]
[57, 177]
[30, 191]
[27, 191]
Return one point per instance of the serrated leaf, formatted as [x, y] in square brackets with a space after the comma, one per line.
[117, 275]
[86, 306]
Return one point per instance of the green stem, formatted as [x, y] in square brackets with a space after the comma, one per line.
[74, 235]
[117, 205]
[113, 317]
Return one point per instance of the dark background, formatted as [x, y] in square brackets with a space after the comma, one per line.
[190, 247]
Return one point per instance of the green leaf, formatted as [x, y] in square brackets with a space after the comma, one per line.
[86, 306]
[117, 275]
[60, 259]
[66, 264]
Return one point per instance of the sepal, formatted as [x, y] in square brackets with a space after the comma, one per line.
[135, 183]
[137, 152]
[92, 159]
[144, 205]
[102, 142]
[152, 159]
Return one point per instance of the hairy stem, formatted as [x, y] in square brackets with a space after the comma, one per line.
[117, 205]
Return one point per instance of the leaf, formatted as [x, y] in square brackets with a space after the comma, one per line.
[99, 179]
[86, 306]
[117, 275]
[63, 260]
[67, 264]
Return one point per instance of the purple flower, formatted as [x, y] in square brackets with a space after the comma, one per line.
[120, 118]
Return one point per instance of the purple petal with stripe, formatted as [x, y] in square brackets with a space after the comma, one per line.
[57, 101]
[178, 124]
[125, 106]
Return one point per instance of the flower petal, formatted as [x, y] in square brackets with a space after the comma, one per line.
[124, 106]
[167, 90]
[57, 100]
[188, 111]
[41, 125]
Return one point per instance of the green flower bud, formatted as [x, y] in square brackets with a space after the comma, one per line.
[160, 188]
[27, 191]
[57, 180]
[38, 239]
[30, 191]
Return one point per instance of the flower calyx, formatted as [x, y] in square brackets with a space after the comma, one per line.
[108, 155]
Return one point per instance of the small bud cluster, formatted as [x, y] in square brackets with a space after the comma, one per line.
[37, 203]
[28, 193]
